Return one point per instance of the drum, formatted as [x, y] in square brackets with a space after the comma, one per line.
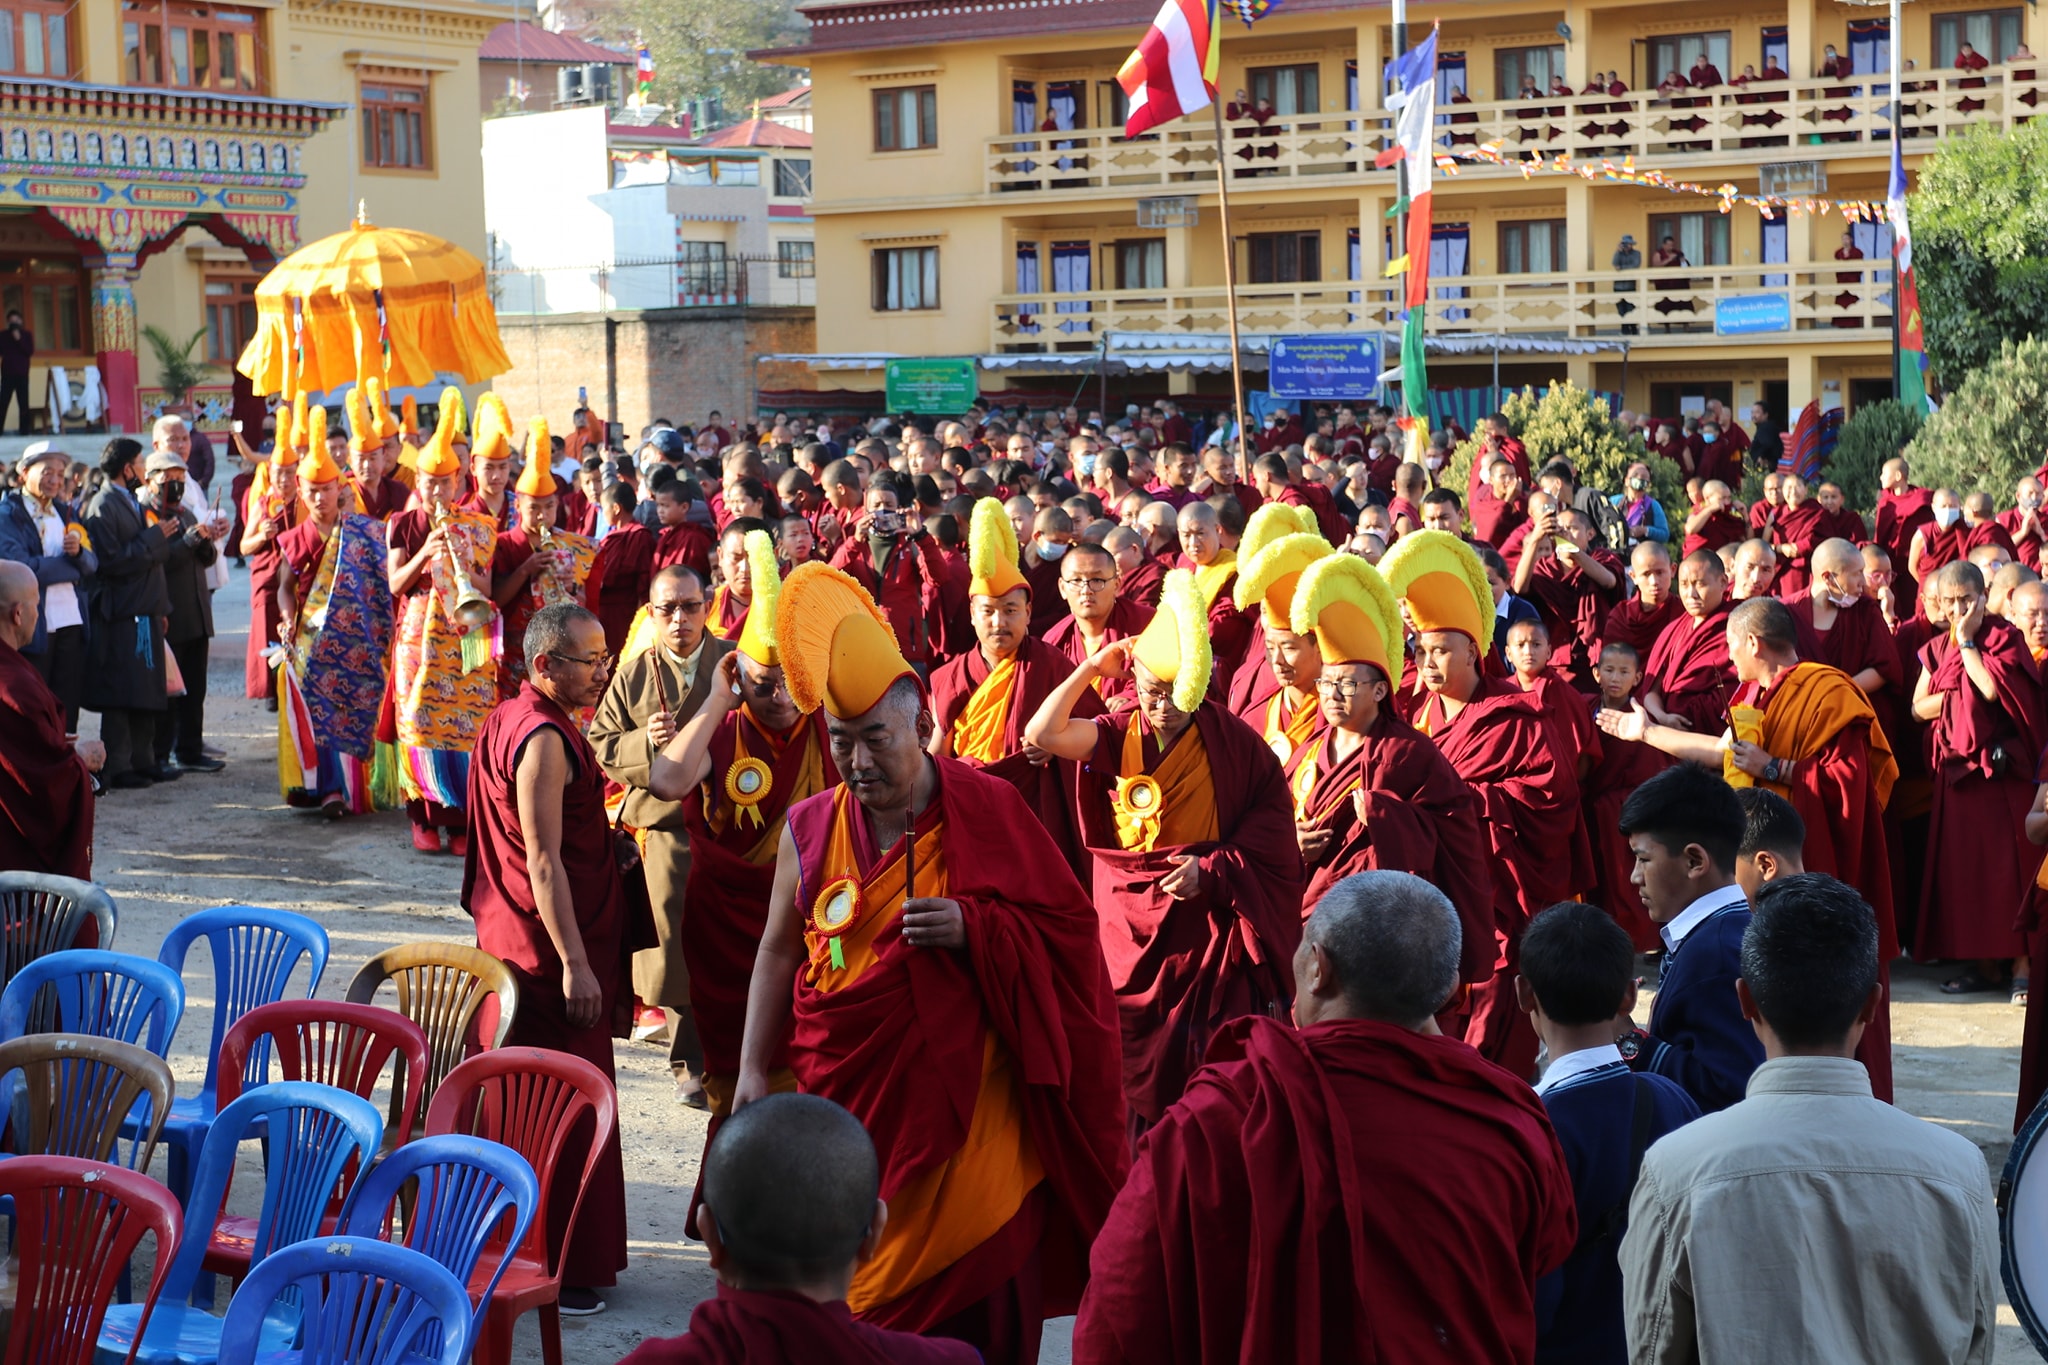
[2023, 1226]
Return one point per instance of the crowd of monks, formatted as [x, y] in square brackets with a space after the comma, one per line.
[999, 817]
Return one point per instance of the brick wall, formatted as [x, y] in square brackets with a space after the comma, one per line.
[677, 363]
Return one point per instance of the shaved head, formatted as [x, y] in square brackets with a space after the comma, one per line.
[17, 583]
[1197, 514]
[1836, 556]
[792, 1182]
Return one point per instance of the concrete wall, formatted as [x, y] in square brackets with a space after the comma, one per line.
[669, 362]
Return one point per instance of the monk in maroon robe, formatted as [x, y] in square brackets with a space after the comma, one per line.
[1142, 584]
[1846, 628]
[1837, 520]
[1099, 612]
[279, 511]
[621, 575]
[46, 802]
[1797, 534]
[1197, 877]
[1574, 582]
[1980, 690]
[1573, 737]
[1688, 677]
[1902, 510]
[1638, 621]
[554, 912]
[1352, 1189]
[1623, 766]
[2024, 524]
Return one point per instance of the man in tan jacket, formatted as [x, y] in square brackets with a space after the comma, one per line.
[653, 695]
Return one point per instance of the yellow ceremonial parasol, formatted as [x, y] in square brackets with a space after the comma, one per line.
[373, 301]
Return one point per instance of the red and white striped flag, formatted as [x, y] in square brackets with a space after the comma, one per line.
[1173, 71]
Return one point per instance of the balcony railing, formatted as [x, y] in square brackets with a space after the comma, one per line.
[1681, 306]
[1801, 119]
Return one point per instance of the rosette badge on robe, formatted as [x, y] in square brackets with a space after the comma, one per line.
[1174, 649]
[749, 780]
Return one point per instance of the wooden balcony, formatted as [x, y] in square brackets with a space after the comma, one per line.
[1796, 120]
[1816, 302]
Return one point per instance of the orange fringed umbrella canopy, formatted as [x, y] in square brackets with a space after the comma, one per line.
[318, 324]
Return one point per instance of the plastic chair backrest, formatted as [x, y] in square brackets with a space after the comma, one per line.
[531, 1100]
[330, 1043]
[69, 1094]
[466, 1188]
[366, 1303]
[255, 950]
[311, 1133]
[76, 1223]
[41, 913]
[442, 988]
[90, 990]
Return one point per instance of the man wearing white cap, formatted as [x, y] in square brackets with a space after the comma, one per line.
[188, 627]
[39, 529]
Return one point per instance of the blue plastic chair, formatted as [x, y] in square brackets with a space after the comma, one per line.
[314, 1132]
[93, 991]
[255, 951]
[466, 1187]
[365, 1303]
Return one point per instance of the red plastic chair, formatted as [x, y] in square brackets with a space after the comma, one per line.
[331, 1043]
[76, 1224]
[533, 1101]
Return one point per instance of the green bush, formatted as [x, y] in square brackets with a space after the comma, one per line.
[1876, 433]
[1980, 246]
[1567, 421]
[1992, 429]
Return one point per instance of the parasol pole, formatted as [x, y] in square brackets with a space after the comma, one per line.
[1230, 284]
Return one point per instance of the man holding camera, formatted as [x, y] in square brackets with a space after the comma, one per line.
[890, 555]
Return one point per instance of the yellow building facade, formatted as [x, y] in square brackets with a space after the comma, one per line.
[159, 155]
[974, 195]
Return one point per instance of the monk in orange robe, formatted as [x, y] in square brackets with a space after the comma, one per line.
[744, 759]
[934, 966]
[1807, 732]
[982, 699]
[1197, 876]
[1496, 736]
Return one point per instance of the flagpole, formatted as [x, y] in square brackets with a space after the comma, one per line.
[1230, 288]
[1895, 42]
[1416, 404]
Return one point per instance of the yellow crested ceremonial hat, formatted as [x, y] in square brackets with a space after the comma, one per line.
[409, 416]
[757, 636]
[313, 435]
[837, 648]
[538, 479]
[1443, 583]
[992, 551]
[1272, 521]
[1352, 611]
[283, 441]
[380, 409]
[492, 438]
[1175, 647]
[298, 420]
[317, 466]
[437, 457]
[363, 434]
[1270, 576]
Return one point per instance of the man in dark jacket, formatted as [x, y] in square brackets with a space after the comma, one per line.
[17, 348]
[190, 626]
[125, 653]
[39, 529]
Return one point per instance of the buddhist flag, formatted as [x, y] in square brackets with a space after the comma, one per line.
[1911, 360]
[644, 70]
[1414, 106]
[1173, 71]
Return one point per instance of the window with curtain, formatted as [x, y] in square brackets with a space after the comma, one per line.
[796, 260]
[907, 118]
[51, 294]
[1777, 47]
[35, 39]
[1450, 256]
[1775, 239]
[1993, 32]
[1066, 102]
[1072, 273]
[189, 46]
[1703, 237]
[1678, 51]
[1286, 257]
[1023, 106]
[1028, 281]
[395, 126]
[1532, 248]
[1292, 89]
[1538, 63]
[905, 279]
[1870, 46]
[230, 316]
[793, 177]
[1141, 264]
[702, 268]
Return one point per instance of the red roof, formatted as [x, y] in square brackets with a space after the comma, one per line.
[756, 132]
[513, 41]
[786, 98]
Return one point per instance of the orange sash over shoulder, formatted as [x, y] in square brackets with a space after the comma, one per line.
[1284, 733]
[943, 1214]
[1810, 706]
[978, 733]
[1175, 804]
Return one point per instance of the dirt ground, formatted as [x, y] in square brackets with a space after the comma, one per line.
[228, 839]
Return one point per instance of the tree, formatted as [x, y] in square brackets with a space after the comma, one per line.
[1980, 245]
[700, 48]
[1876, 433]
[1567, 421]
[177, 372]
[1992, 429]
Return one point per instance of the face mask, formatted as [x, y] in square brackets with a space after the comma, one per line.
[130, 482]
[1051, 549]
[1435, 461]
[171, 492]
[1945, 517]
[1710, 436]
[1842, 601]
[2031, 501]
[1085, 463]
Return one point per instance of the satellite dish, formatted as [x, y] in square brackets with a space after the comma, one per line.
[1564, 31]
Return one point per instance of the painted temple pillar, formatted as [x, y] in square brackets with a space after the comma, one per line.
[114, 337]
